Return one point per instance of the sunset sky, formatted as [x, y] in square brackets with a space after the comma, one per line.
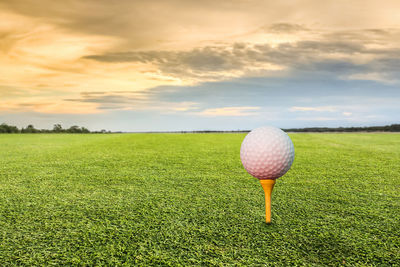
[191, 65]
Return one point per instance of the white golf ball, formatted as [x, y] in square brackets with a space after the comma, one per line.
[267, 153]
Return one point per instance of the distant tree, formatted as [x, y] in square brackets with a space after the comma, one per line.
[84, 130]
[5, 128]
[57, 128]
[74, 129]
[395, 128]
[29, 129]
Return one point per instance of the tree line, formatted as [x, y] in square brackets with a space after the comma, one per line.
[5, 128]
[387, 128]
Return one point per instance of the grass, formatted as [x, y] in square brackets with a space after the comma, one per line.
[185, 199]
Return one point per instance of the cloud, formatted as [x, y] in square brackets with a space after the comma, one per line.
[335, 113]
[41, 106]
[126, 100]
[143, 24]
[201, 64]
[200, 59]
[322, 119]
[318, 109]
[285, 28]
[372, 76]
[229, 112]
[322, 53]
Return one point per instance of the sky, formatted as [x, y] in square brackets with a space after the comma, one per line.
[171, 65]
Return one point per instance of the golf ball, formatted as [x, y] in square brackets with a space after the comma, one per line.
[267, 153]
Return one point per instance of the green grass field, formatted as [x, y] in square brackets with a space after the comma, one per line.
[185, 199]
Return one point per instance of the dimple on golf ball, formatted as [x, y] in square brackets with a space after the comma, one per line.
[267, 153]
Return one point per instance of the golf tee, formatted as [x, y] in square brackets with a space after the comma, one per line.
[267, 185]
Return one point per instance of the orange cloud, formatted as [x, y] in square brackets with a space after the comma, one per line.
[62, 107]
[229, 111]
